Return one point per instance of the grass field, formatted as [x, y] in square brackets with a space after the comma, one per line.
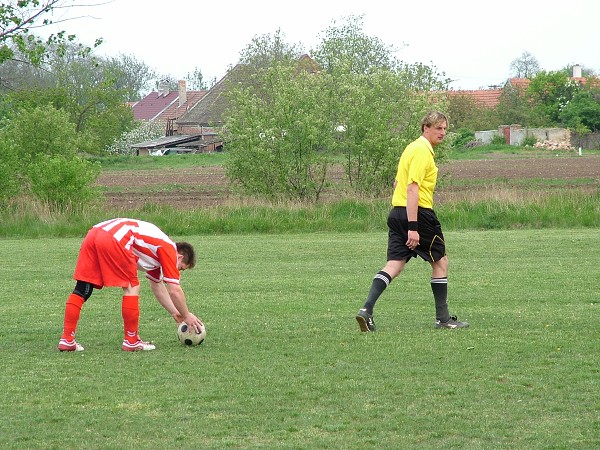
[284, 365]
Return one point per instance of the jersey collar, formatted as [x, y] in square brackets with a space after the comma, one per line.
[428, 144]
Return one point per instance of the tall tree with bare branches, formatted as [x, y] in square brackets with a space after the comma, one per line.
[525, 66]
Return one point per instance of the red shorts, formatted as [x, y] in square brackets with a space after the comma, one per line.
[103, 262]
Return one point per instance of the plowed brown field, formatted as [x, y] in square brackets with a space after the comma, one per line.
[208, 186]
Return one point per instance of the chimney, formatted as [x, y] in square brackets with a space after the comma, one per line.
[576, 71]
[182, 93]
[163, 87]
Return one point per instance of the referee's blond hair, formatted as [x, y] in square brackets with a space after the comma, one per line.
[433, 118]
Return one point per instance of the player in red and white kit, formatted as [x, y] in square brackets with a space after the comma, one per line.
[111, 255]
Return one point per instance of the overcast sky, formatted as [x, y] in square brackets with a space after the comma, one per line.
[472, 42]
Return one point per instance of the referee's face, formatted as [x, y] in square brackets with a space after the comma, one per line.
[435, 133]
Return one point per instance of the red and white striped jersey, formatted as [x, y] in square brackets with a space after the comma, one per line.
[155, 252]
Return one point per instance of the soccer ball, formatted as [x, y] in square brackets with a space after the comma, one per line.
[188, 336]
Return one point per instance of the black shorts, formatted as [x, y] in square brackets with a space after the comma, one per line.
[431, 239]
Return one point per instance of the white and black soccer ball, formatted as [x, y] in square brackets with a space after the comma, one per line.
[188, 336]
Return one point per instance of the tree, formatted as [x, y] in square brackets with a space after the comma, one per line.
[195, 81]
[582, 112]
[526, 66]
[42, 149]
[276, 142]
[288, 122]
[265, 50]
[19, 17]
[513, 108]
[131, 76]
[548, 93]
[346, 48]
[86, 88]
[465, 112]
[375, 99]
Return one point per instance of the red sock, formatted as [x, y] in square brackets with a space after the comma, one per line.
[130, 309]
[72, 312]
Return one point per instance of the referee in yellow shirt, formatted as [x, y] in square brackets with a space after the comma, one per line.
[414, 229]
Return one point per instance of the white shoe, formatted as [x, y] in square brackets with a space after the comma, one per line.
[139, 345]
[70, 346]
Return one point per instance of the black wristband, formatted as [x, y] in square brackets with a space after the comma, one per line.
[412, 226]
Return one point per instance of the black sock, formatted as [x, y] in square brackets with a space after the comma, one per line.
[439, 286]
[380, 282]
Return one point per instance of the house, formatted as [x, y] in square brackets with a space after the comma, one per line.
[168, 145]
[208, 111]
[490, 98]
[207, 114]
[164, 106]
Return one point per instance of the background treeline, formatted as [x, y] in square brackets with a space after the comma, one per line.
[287, 124]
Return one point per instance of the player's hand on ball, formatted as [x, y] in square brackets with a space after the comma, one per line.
[178, 318]
[193, 322]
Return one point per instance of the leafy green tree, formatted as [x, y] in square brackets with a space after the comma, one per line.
[63, 182]
[376, 100]
[286, 123]
[133, 78]
[275, 130]
[548, 93]
[513, 107]
[465, 112]
[582, 113]
[42, 148]
[379, 114]
[345, 48]
[42, 131]
[267, 50]
[86, 88]
[19, 17]
[276, 143]
[93, 99]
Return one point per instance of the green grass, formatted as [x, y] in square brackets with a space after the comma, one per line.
[538, 210]
[284, 365]
[160, 162]
[484, 152]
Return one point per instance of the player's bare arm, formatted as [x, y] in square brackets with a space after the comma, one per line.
[163, 297]
[412, 208]
[178, 298]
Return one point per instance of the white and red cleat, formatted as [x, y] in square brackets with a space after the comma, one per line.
[70, 346]
[139, 345]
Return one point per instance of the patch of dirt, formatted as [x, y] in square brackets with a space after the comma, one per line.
[208, 186]
[558, 167]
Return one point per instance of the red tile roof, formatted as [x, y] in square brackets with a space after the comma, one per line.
[164, 105]
[153, 104]
[523, 83]
[519, 83]
[485, 97]
[174, 111]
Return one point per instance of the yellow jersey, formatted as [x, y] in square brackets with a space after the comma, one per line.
[416, 166]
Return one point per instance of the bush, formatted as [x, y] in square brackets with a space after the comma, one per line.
[462, 137]
[9, 164]
[63, 183]
[529, 141]
[38, 157]
[498, 140]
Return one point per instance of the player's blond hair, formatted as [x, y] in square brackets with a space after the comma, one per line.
[433, 118]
